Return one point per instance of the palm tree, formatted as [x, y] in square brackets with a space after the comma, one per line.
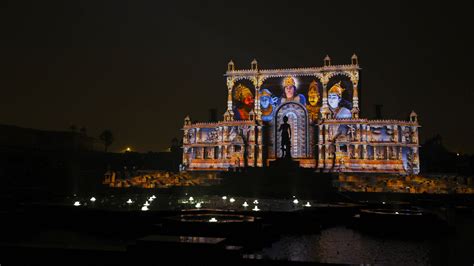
[107, 137]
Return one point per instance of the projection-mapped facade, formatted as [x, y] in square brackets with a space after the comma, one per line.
[321, 106]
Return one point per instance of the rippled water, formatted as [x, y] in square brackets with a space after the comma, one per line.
[344, 245]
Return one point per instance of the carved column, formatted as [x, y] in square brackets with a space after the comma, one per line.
[355, 95]
[368, 133]
[327, 132]
[224, 133]
[415, 134]
[198, 135]
[320, 153]
[325, 108]
[257, 83]
[395, 134]
[404, 140]
[259, 147]
[416, 161]
[320, 141]
[185, 136]
[230, 85]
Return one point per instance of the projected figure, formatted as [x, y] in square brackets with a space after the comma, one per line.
[243, 99]
[285, 138]
[289, 94]
[267, 104]
[313, 99]
[334, 100]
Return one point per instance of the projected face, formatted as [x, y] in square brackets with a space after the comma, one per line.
[313, 98]
[265, 101]
[334, 100]
[289, 92]
[248, 100]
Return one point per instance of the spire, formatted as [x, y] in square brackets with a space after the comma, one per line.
[254, 65]
[354, 59]
[413, 117]
[230, 66]
[187, 120]
[327, 61]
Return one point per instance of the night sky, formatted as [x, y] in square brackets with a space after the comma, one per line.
[140, 68]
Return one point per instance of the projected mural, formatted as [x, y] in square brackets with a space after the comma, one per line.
[319, 108]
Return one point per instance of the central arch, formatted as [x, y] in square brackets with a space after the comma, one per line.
[298, 120]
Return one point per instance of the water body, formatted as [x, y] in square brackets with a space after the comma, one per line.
[347, 246]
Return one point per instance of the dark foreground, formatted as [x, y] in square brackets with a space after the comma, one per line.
[321, 227]
[109, 231]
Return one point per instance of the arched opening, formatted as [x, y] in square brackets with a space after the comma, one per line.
[298, 120]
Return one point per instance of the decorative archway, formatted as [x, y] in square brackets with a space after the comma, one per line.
[298, 120]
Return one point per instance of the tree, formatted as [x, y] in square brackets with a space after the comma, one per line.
[107, 137]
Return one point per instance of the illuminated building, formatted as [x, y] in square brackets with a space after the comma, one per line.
[322, 106]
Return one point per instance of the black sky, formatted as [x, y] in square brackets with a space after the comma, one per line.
[139, 68]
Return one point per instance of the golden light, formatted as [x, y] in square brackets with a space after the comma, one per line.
[128, 149]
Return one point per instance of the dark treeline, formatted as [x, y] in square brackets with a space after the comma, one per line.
[436, 158]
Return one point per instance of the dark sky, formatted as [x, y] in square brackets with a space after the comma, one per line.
[139, 68]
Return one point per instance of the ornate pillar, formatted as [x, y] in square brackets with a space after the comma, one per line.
[229, 112]
[400, 153]
[362, 133]
[320, 154]
[356, 151]
[198, 135]
[320, 140]
[387, 157]
[225, 134]
[403, 134]
[395, 134]
[185, 136]
[325, 108]
[259, 147]
[414, 130]
[355, 94]
[224, 152]
[327, 132]
[364, 151]
[257, 83]
[368, 134]
[416, 161]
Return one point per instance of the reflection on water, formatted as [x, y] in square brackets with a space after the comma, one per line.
[344, 245]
